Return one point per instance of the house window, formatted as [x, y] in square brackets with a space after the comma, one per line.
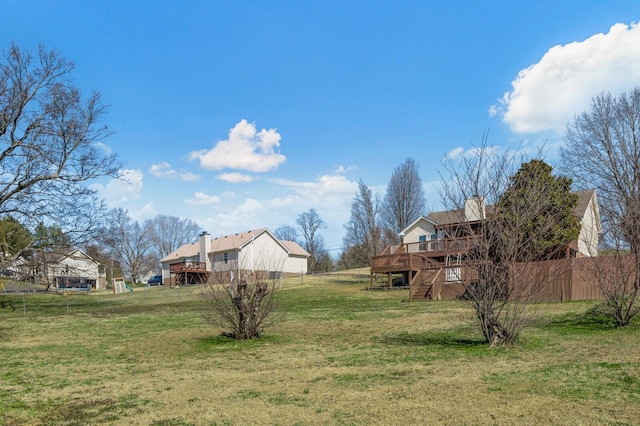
[437, 241]
[422, 239]
[226, 258]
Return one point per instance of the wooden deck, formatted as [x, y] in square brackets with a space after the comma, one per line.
[410, 258]
[438, 270]
[187, 273]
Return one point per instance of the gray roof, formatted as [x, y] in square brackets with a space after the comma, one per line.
[449, 217]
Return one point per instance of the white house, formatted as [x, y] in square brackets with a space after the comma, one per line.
[70, 269]
[256, 250]
[425, 228]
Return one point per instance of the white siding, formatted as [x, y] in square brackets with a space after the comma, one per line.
[413, 233]
[76, 265]
[263, 253]
[589, 231]
[295, 265]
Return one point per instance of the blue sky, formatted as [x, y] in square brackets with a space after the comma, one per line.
[244, 114]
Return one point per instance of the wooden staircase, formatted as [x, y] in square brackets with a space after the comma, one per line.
[425, 284]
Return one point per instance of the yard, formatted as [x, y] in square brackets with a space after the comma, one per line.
[340, 355]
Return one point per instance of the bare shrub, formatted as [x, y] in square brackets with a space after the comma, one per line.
[501, 211]
[603, 152]
[242, 305]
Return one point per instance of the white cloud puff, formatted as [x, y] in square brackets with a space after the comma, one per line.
[548, 94]
[104, 147]
[202, 199]
[234, 177]
[455, 152]
[127, 186]
[331, 195]
[245, 149]
[164, 170]
[148, 211]
[459, 153]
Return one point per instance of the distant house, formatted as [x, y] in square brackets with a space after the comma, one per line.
[435, 245]
[69, 269]
[242, 253]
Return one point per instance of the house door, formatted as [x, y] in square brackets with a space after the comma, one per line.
[453, 270]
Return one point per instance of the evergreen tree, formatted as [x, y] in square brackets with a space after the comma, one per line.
[547, 233]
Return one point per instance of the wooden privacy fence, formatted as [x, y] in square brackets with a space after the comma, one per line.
[555, 280]
[567, 279]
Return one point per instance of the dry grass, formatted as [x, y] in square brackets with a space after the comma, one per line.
[341, 355]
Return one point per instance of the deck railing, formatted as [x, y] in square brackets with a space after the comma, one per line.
[188, 267]
[443, 245]
[412, 256]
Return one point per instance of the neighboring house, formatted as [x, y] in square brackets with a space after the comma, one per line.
[70, 269]
[430, 233]
[438, 241]
[247, 252]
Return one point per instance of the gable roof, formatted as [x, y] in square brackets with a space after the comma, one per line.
[76, 254]
[449, 217]
[234, 242]
[187, 250]
[584, 198]
[415, 222]
[295, 248]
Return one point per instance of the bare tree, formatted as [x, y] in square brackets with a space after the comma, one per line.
[603, 152]
[286, 233]
[404, 201]
[323, 260]
[50, 145]
[496, 207]
[49, 245]
[168, 233]
[310, 223]
[130, 244]
[363, 239]
[241, 303]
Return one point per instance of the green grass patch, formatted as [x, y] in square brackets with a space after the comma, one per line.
[339, 355]
[576, 381]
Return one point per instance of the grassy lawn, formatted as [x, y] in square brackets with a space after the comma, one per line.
[340, 355]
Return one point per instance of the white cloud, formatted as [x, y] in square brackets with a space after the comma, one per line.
[147, 211]
[460, 153]
[326, 186]
[202, 199]
[234, 177]
[455, 152]
[331, 195]
[548, 94]
[250, 214]
[245, 149]
[127, 186]
[104, 147]
[164, 170]
[343, 169]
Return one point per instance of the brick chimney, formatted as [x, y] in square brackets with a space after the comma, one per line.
[205, 248]
[474, 209]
